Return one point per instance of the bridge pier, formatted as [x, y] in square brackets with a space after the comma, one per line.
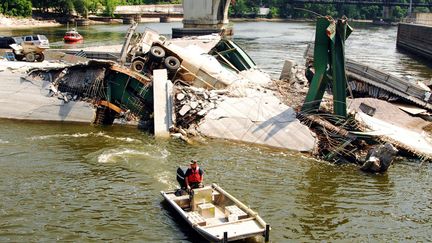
[202, 17]
[387, 12]
[128, 20]
[135, 18]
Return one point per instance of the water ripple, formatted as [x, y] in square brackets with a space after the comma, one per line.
[84, 135]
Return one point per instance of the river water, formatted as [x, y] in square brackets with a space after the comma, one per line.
[76, 182]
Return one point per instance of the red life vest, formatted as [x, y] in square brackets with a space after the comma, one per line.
[194, 175]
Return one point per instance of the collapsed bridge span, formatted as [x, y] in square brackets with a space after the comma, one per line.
[114, 91]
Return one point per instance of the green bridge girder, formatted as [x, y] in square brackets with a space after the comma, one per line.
[129, 91]
[329, 64]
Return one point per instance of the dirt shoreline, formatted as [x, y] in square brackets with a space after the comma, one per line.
[25, 26]
[7, 23]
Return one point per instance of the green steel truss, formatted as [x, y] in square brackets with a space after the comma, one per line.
[329, 64]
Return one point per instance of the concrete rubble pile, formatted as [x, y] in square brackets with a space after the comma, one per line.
[192, 104]
[248, 112]
[292, 85]
[70, 84]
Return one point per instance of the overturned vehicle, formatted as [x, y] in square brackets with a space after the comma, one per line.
[205, 61]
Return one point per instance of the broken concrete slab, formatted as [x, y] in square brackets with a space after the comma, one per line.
[390, 113]
[180, 96]
[184, 110]
[260, 119]
[88, 84]
[194, 104]
[287, 70]
[412, 141]
[392, 125]
[23, 99]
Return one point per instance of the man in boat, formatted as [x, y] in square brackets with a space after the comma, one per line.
[194, 176]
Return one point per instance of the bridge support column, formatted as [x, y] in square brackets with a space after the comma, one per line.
[202, 17]
[387, 12]
[133, 18]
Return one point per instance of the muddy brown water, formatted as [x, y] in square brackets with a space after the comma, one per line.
[76, 182]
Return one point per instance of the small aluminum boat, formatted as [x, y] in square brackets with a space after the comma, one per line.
[216, 215]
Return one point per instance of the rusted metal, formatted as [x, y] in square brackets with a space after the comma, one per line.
[109, 105]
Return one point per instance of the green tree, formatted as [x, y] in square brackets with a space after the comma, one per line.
[239, 9]
[94, 6]
[42, 5]
[274, 12]
[16, 7]
[110, 6]
[422, 9]
[81, 7]
[399, 12]
[370, 12]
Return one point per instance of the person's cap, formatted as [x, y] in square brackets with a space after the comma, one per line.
[194, 161]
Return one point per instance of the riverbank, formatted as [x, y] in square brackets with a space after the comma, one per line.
[7, 22]
[288, 20]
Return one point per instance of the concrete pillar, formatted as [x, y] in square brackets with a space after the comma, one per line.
[201, 17]
[162, 102]
[128, 20]
[137, 18]
[286, 73]
[387, 12]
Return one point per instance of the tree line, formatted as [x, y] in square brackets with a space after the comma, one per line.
[283, 9]
[239, 8]
[81, 7]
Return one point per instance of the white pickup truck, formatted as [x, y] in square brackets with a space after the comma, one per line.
[38, 40]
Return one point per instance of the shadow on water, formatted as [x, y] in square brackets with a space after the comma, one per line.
[420, 59]
[319, 201]
[330, 190]
[175, 218]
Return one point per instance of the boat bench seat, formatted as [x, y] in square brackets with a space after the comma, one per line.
[179, 198]
[234, 210]
[196, 218]
[200, 196]
[182, 201]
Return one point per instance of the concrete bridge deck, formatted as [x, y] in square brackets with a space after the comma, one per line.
[150, 10]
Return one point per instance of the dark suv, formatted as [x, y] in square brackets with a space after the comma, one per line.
[5, 42]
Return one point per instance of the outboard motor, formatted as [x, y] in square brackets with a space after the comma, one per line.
[181, 177]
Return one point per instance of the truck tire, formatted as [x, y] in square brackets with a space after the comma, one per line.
[157, 52]
[30, 57]
[19, 57]
[40, 57]
[172, 63]
[137, 66]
